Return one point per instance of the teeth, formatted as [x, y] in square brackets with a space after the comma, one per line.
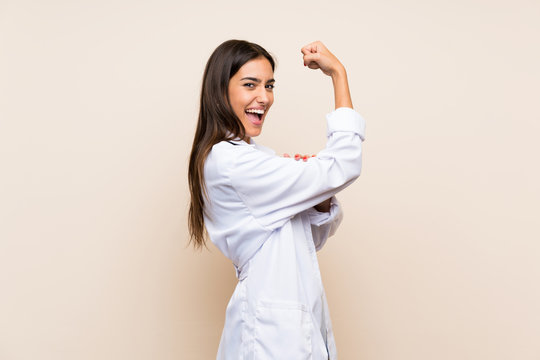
[255, 111]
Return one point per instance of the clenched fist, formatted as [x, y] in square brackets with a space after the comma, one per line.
[317, 56]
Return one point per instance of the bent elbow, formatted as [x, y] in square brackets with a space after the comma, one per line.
[354, 170]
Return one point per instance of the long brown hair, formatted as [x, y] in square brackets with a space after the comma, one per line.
[217, 121]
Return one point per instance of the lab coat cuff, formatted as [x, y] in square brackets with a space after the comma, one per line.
[346, 119]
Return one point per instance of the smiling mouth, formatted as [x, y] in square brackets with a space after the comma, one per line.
[255, 115]
[258, 112]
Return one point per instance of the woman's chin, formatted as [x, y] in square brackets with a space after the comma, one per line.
[254, 132]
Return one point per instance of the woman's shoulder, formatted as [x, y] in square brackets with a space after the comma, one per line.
[226, 153]
[227, 147]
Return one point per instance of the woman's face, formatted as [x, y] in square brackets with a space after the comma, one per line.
[251, 93]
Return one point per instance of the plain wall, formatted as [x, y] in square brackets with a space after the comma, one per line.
[438, 255]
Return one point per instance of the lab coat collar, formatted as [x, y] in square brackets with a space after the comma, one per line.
[237, 140]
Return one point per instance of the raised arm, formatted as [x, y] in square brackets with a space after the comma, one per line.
[317, 56]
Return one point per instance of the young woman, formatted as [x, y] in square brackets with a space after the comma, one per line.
[269, 214]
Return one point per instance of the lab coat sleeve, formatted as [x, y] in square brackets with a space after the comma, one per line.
[324, 224]
[275, 189]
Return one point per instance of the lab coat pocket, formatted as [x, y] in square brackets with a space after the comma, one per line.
[282, 331]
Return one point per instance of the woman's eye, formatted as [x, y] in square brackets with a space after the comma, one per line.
[270, 86]
[249, 85]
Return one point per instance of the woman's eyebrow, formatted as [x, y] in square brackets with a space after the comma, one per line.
[257, 80]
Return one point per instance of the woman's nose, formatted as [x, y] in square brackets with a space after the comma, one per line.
[262, 96]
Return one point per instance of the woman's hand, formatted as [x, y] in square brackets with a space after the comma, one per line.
[298, 157]
[317, 56]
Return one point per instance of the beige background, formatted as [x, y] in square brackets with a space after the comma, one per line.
[438, 255]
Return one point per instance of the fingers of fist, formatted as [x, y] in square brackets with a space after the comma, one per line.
[311, 60]
[314, 47]
[299, 157]
[312, 54]
[317, 56]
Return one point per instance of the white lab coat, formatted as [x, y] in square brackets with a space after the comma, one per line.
[260, 214]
